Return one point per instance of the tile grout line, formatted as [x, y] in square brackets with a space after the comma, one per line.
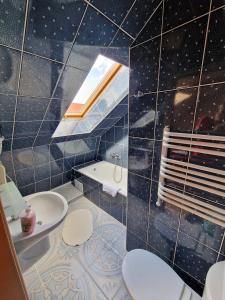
[183, 24]
[156, 105]
[197, 98]
[221, 245]
[118, 26]
[161, 2]
[18, 83]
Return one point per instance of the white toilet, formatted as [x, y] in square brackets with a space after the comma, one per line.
[147, 277]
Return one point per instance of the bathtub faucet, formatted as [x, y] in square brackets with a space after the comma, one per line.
[115, 155]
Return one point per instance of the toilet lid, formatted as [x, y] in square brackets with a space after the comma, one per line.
[147, 277]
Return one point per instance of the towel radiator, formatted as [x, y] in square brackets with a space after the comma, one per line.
[200, 177]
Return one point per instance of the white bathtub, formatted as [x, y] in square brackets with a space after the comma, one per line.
[103, 173]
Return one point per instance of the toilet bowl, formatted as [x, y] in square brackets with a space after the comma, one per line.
[50, 209]
[147, 277]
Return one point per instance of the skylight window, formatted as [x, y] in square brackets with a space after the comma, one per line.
[100, 75]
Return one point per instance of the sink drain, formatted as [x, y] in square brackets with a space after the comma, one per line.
[39, 222]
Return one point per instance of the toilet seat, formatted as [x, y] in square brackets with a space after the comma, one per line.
[147, 277]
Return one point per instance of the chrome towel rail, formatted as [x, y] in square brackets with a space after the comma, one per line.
[208, 179]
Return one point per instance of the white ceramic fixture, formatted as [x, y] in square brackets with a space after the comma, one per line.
[147, 277]
[50, 209]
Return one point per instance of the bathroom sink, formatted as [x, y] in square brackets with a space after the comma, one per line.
[50, 209]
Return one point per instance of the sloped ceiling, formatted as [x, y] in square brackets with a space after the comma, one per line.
[47, 49]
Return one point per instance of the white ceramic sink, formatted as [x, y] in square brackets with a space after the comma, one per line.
[50, 209]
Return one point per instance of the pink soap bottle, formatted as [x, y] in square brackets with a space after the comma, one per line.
[28, 221]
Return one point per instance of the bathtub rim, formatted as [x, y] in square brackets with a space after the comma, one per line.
[121, 191]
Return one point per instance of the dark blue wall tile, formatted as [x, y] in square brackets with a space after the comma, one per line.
[139, 15]
[152, 27]
[12, 21]
[134, 242]
[48, 127]
[177, 13]
[52, 26]
[27, 190]
[56, 181]
[9, 64]
[41, 155]
[56, 109]
[24, 142]
[30, 109]
[193, 257]
[201, 230]
[144, 60]
[142, 113]
[43, 185]
[56, 167]
[162, 238]
[26, 128]
[210, 111]
[217, 3]
[56, 151]
[213, 68]
[182, 51]
[7, 107]
[190, 281]
[176, 109]
[42, 172]
[38, 76]
[25, 176]
[118, 49]
[7, 129]
[115, 10]
[69, 83]
[140, 156]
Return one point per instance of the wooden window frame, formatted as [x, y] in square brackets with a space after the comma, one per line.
[97, 92]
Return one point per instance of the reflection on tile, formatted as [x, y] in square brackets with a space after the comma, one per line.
[30, 109]
[176, 109]
[41, 154]
[69, 83]
[142, 113]
[56, 109]
[9, 65]
[213, 68]
[161, 237]
[7, 107]
[52, 27]
[140, 156]
[210, 110]
[183, 11]
[12, 22]
[201, 230]
[42, 171]
[144, 61]
[38, 76]
[181, 58]
[193, 257]
[25, 176]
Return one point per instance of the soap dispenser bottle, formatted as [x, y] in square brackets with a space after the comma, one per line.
[28, 221]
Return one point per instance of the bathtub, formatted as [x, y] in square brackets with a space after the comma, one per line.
[102, 172]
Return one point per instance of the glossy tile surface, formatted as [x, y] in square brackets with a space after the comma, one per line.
[12, 22]
[181, 59]
[52, 26]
